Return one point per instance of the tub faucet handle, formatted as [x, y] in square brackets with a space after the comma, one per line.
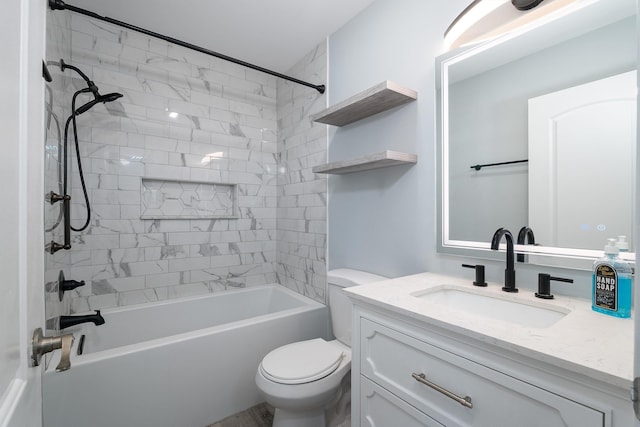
[42, 345]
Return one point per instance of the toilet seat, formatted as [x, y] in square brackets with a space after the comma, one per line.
[301, 362]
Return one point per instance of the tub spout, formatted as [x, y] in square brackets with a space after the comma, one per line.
[66, 321]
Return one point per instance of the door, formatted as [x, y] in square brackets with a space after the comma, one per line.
[21, 218]
[601, 117]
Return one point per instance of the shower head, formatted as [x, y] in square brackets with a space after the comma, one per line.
[99, 98]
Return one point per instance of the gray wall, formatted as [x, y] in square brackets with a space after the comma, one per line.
[384, 221]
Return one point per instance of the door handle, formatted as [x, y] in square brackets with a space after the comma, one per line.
[41, 345]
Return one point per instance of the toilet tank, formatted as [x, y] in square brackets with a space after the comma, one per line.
[339, 303]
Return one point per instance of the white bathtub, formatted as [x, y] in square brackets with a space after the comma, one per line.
[179, 363]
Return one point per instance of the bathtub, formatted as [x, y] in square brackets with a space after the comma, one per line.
[181, 363]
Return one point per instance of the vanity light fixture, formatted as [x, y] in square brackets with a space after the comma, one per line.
[472, 14]
[484, 20]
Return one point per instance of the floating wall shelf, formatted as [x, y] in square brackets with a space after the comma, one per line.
[379, 98]
[373, 161]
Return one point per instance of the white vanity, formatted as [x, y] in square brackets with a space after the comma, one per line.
[431, 350]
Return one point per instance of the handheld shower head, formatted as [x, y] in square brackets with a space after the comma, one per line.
[109, 97]
[99, 98]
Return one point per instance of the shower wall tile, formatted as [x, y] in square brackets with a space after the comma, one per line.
[57, 109]
[301, 204]
[226, 130]
[184, 116]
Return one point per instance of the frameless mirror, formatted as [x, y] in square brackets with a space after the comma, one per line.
[537, 128]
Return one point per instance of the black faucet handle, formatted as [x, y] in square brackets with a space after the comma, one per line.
[544, 285]
[66, 285]
[479, 274]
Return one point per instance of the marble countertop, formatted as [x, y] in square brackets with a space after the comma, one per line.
[583, 341]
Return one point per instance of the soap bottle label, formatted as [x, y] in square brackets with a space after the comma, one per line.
[606, 292]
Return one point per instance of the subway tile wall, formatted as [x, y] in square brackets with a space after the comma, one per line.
[57, 109]
[189, 117]
[302, 195]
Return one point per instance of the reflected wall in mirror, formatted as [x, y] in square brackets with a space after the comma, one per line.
[541, 94]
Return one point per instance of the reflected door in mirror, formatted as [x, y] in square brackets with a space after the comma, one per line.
[582, 162]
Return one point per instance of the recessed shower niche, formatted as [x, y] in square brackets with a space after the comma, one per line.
[177, 199]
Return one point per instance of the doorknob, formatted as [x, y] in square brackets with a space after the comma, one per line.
[42, 345]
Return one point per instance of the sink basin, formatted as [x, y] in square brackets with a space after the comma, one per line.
[493, 307]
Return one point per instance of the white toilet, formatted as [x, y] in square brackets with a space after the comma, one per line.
[301, 380]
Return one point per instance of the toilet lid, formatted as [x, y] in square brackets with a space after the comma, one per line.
[301, 362]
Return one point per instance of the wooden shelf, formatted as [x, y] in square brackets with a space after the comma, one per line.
[377, 99]
[373, 161]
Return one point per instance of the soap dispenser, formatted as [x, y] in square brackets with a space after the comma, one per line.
[622, 244]
[611, 284]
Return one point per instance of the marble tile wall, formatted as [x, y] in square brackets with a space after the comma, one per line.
[184, 116]
[302, 195]
[57, 110]
[169, 199]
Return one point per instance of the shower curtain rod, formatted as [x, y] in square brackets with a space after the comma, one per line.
[60, 5]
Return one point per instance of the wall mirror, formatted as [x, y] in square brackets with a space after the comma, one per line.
[557, 97]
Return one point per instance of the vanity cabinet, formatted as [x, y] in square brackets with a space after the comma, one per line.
[393, 359]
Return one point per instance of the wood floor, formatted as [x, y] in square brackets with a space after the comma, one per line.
[257, 416]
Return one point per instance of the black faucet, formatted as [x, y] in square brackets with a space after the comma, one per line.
[509, 272]
[525, 237]
[67, 321]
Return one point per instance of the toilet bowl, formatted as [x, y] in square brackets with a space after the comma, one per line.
[305, 379]
[300, 397]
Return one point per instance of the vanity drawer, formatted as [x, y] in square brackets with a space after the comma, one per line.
[380, 408]
[390, 358]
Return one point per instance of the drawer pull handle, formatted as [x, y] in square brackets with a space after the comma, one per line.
[464, 401]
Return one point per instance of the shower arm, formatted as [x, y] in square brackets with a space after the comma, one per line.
[92, 86]
[61, 5]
